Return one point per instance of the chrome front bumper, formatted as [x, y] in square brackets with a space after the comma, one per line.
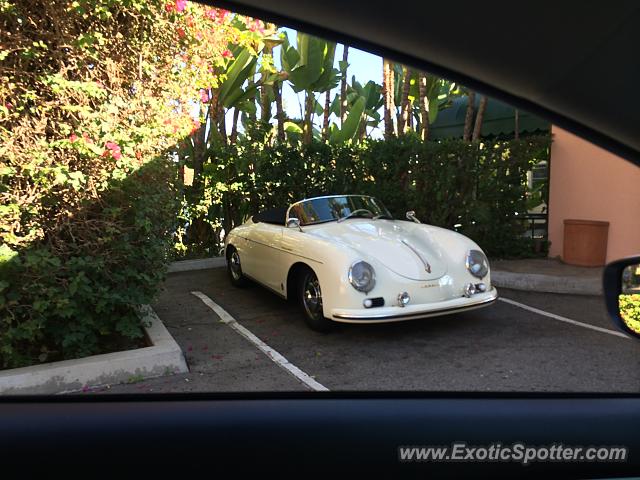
[412, 312]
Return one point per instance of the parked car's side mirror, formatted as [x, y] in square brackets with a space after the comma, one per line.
[622, 294]
[411, 215]
[294, 223]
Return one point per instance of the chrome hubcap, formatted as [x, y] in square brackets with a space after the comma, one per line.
[234, 264]
[312, 296]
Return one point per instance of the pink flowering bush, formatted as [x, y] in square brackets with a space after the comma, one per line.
[113, 150]
[95, 97]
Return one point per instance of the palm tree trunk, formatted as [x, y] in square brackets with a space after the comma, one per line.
[222, 124]
[309, 103]
[277, 92]
[403, 124]
[198, 230]
[479, 117]
[205, 135]
[265, 103]
[468, 118]
[424, 106]
[343, 88]
[392, 99]
[363, 130]
[234, 126]
[325, 121]
[388, 91]
[516, 126]
[253, 99]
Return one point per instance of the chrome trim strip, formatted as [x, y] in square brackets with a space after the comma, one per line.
[281, 250]
[442, 311]
[426, 264]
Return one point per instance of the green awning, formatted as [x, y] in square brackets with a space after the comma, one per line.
[499, 120]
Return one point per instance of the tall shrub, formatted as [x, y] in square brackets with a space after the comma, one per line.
[94, 95]
[477, 189]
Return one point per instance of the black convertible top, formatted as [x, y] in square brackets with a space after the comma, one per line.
[276, 216]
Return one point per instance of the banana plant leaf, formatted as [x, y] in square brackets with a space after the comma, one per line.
[290, 126]
[330, 76]
[293, 131]
[372, 92]
[310, 65]
[319, 108]
[238, 72]
[240, 95]
[335, 106]
[289, 56]
[351, 125]
[438, 94]
[270, 79]
[398, 79]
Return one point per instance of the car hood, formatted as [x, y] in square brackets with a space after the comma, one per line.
[405, 248]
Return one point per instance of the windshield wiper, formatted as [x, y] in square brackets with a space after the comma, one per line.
[384, 216]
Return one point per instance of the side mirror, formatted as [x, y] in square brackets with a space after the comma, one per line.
[294, 223]
[622, 294]
[411, 215]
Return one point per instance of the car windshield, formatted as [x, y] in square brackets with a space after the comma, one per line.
[328, 209]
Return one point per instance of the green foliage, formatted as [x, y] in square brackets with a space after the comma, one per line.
[310, 66]
[630, 311]
[477, 189]
[438, 91]
[240, 69]
[58, 305]
[95, 95]
[351, 126]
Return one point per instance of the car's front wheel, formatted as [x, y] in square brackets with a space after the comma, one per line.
[310, 297]
[234, 268]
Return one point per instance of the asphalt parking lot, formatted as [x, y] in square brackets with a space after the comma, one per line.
[499, 348]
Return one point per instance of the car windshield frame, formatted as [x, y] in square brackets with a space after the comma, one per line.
[371, 202]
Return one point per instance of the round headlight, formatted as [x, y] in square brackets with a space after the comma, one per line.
[362, 276]
[477, 264]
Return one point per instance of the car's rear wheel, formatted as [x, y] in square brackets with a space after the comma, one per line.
[234, 268]
[310, 297]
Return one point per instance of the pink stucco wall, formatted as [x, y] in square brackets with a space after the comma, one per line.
[589, 183]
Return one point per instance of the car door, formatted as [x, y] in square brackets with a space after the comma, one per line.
[266, 255]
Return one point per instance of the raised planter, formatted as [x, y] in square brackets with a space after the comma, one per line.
[585, 242]
[538, 282]
[197, 264]
[163, 357]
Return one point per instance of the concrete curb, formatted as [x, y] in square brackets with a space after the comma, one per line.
[199, 264]
[164, 357]
[536, 282]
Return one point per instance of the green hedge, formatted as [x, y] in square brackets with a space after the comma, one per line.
[58, 303]
[95, 97]
[476, 189]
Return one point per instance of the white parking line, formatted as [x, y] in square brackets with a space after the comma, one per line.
[280, 360]
[563, 319]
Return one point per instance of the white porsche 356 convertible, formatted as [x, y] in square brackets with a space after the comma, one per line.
[346, 259]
